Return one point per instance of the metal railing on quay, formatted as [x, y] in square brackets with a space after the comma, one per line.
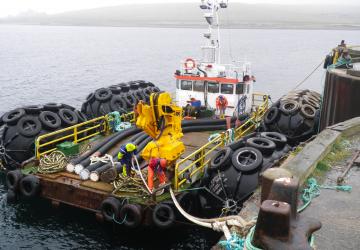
[197, 161]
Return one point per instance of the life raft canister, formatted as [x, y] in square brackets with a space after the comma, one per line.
[189, 64]
[221, 102]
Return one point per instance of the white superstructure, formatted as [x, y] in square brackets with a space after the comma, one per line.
[206, 79]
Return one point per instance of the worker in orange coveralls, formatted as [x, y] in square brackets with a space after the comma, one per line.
[158, 166]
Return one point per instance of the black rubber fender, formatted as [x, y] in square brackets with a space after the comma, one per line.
[221, 160]
[103, 94]
[11, 196]
[13, 116]
[247, 159]
[132, 215]
[278, 138]
[271, 115]
[264, 145]
[29, 186]
[68, 117]
[29, 126]
[50, 120]
[110, 208]
[13, 179]
[163, 215]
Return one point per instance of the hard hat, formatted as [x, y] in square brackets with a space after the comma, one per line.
[163, 163]
[130, 147]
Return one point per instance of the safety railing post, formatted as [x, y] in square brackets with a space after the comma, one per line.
[75, 135]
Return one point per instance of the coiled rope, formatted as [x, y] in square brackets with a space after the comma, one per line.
[54, 162]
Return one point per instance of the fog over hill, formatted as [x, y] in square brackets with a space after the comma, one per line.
[190, 15]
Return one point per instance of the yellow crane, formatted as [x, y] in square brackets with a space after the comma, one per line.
[161, 120]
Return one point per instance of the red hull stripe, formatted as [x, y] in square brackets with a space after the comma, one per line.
[213, 79]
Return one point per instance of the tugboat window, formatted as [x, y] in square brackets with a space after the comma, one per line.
[213, 87]
[239, 89]
[199, 86]
[186, 85]
[227, 89]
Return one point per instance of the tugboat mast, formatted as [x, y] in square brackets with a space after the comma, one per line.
[211, 50]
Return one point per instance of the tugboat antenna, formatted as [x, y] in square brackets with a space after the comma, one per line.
[211, 50]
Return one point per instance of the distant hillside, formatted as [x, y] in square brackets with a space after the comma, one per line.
[189, 15]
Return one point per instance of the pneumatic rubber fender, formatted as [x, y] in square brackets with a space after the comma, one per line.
[29, 186]
[110, 208]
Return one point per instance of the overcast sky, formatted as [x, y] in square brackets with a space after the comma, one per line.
[13, 7]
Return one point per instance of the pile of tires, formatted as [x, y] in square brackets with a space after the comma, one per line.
[121, 97]
[234, 172]
[21, 126]
[296, 115]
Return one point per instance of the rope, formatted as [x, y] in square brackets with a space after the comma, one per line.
[55, 162]
[105, 159]
[313, 190]
[308, 76]
[117, 222]
[140, 173]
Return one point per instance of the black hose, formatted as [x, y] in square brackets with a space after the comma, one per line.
[124, 134]
[200, 122]
[140, 139]
[94, 149]
[95, 174]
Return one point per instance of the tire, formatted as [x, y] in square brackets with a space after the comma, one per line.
[264, 145]
[125, 87]
[33, 109]
[81, 116]
[236, 145]
[52, 106]
[155, 89]
[279, 139]
[29, 126]
[221, 160]
[13, 179]
[308, 111]
[29, 186]
[271, 115]
[11, 196]
[13, 116]
[90, 97]
[311, 102]
[117, 103]
[189, 201]
[103, 94]
[130, 100]
[133, 215]
[50, 120]
[147, 92]
[139, 94]
[142, 84]
[68, 117]
[247, 159]
[66, 106]
[115, 89]
[163, 215]
[110, 208]
[134, 85]
[289, 107]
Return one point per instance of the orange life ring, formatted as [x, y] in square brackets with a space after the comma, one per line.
[221, 101]
[189, 64]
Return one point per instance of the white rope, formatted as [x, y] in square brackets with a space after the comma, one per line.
[105, 159]
[140, 173]
[218, 224]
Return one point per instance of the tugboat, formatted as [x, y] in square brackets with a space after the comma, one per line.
[91, 179]
[207, 80]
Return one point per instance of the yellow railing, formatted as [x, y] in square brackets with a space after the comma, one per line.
[196, 162]
[46, 143]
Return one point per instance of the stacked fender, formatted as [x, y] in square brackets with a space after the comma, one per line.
[233, 173]
[121, 97]
[296, 115]
[21, 126]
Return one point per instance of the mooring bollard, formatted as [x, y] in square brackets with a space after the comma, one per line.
[279, 226]
[268, 177]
